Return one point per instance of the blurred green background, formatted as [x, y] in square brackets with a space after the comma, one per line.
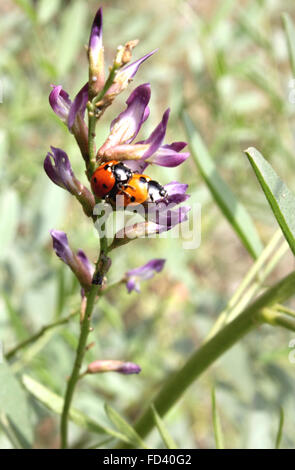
[227, 62]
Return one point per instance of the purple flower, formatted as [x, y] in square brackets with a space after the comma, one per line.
[60, 102]
[79, 263]
[135, 276]
[72, 113]
[58, 168]
[95, 40]
[64, 108]
[126, 368]
[125, 128]
[96, 56]
[78, 106]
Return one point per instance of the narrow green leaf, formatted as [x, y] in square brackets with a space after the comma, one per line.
[280, 198]
[168, 440]
[232, 209]
[11, 433]
[290, 33]
[55, 403]
[216, 423]
[125, 428]
[14, 409]
[280, 429]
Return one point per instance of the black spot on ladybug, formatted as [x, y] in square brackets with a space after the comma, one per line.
[132, 199]
[106, 167]
[95, 180]
[105, 186]
[142, 179]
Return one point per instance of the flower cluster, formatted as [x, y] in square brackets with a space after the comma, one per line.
[121, 145]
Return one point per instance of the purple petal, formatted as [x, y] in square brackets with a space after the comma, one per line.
[128, 368]
[157, 136]
[147, 271]
[166, 221]
[166, 156]
[60, 102]
[95, 40]
[132, 284]
[155, 140]
[61, 247]
[131, 69]
[124, 75]
[87, 264]
[60, 172]
[175, 188]
[78, 105]
[130, 121]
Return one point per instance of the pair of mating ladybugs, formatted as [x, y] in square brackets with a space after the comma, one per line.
[115, 178]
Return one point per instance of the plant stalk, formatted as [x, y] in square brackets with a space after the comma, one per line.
[177, 383]
[85, 328]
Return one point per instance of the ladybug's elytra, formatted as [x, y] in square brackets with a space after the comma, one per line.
[109, 177]
[140, 189]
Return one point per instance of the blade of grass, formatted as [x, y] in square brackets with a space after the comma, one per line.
[290, 34]
[280, 429]
[167, 439]
[216, 422]
[280, 198]
[125, 428]
[55, 403]
[232, 209]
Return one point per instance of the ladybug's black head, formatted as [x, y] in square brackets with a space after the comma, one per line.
[156, 191]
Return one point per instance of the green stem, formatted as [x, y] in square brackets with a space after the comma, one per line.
[200, 360]
[85, 328]
[40, 333]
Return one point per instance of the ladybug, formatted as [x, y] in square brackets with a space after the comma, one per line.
[108, 177]
[141, 189]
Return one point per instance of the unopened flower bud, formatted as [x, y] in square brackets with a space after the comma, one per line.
[126, 368]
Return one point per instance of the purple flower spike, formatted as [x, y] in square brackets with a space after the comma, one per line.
[126, 126]
[143, 273]
[60, 102]
[126, 368]
[78, 105]
[58, 168]
[79, 264]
